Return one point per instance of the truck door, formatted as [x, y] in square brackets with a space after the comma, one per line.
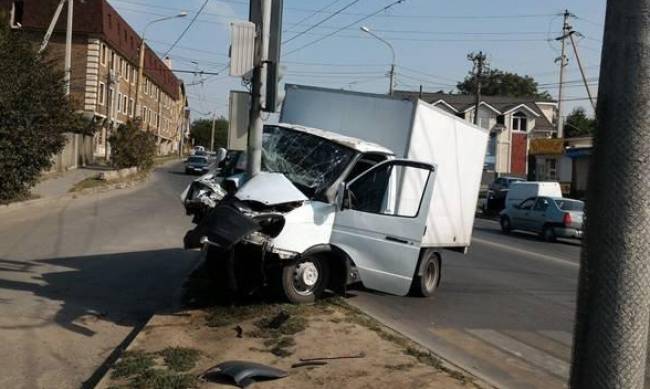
[382, 221]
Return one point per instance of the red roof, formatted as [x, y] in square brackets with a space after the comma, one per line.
[98, 17]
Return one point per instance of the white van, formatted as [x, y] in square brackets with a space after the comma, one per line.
[520, 191]
[354, 187]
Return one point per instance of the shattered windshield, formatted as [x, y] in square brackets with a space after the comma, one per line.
[310, 162]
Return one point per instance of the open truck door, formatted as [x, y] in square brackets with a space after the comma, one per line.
[381, 221]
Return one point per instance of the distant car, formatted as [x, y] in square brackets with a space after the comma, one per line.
[551, 217]
[197, 165]
[496, 194]
[196, 149]
[201, 153]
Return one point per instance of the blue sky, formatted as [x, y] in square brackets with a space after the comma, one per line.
[431, 38]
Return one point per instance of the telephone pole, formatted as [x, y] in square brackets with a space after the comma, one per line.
[613, 310]
[480, 61]
[566, 28]
[67, 67]
[582, 71]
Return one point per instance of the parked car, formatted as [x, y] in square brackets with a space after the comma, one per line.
[197, 165]
[495, 199]
[551, 217]
[196, 149]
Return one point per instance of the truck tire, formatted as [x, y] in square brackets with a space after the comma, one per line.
[305, 280]
[506, 225]
[427, 278]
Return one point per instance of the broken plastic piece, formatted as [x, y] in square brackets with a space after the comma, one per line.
[308, 363]
[243, 373]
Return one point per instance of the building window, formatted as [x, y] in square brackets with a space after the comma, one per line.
[124, 68]
[113, 59]
[125, 104]
[111, 100]
[127, 70]
[550, 169]
[133, 75]
[131, 107]
[501, 119]
[519, 122]
[119, 102]
[103, 54]
[102, 93]
[157, 121]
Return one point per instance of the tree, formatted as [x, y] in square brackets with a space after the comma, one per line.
[578, 124]
[131, 146]
[34, 114]
[201, 129]
[499, 83]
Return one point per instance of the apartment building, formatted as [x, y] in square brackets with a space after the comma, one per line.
[105, 57]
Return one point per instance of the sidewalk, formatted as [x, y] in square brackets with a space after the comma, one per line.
[60, 184]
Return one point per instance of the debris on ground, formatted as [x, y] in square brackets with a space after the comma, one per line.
[242, 373]
[323, 345]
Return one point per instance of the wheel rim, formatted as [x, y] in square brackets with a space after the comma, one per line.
[306, 277]
[430, 276]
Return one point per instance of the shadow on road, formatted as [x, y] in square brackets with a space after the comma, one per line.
[123, 288]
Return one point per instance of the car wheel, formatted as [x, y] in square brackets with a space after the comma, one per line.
[425, 284]
[506, 226]
[548, 233]
[305, 280]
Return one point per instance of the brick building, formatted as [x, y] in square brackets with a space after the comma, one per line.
[512, 122]
[105, 53]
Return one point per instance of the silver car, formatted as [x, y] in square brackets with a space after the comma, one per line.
[551, 217]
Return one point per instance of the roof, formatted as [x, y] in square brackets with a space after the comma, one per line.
[347, 141]
[98, 17]
[501, 104]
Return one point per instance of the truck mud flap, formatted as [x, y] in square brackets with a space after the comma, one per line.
[224, 225]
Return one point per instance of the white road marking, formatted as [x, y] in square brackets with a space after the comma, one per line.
[526, 252]
[527, 353]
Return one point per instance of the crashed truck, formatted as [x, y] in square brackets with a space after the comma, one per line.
[354, 187]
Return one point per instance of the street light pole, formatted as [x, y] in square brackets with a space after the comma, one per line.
[141, 55]
[392, 50]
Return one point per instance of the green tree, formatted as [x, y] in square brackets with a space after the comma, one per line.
[578, 124]
[201, 129]
[131, 146]
[499, 83]
[34, 114]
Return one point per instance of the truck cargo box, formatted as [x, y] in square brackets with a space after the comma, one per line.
[413, 129]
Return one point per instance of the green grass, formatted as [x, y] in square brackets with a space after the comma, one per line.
[163, 379]
[180, 358]
[132, 363]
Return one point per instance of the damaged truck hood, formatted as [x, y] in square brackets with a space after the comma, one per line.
[270, 189]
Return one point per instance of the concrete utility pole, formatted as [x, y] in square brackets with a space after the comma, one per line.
[566, 28]
[214, 120]
[479, 61]
[256, 124]
[611, 331]
[67, 67]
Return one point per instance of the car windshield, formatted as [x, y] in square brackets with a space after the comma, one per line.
[570, 205]
[310, 162]
[197, 160]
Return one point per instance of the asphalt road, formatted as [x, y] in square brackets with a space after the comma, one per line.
[79, 277]
[504, 311]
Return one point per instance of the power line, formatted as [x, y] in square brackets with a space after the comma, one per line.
[186, 28]
[321, 21]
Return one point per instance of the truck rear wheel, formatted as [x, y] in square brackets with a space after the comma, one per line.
[305, 280]
[427, 278]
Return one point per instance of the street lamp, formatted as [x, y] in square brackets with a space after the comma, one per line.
[392, 50]
[181, 14]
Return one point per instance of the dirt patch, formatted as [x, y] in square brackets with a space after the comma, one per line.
[328, 329]
[94, 183]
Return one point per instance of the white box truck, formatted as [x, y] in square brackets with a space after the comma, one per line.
[354, 187]
[520, 191]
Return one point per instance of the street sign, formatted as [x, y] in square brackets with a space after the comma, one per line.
[242, 48]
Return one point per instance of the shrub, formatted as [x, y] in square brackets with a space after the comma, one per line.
[34, 114]
[131, 147]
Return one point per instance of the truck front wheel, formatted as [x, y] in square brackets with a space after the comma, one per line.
[305, 280]
[427, 278]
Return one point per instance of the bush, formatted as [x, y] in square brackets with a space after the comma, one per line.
[34, 114]
[131, 147]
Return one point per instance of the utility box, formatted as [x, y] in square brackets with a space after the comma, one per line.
[238, 120]
[242, 48]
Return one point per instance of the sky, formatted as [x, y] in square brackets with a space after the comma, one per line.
[431, 39]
